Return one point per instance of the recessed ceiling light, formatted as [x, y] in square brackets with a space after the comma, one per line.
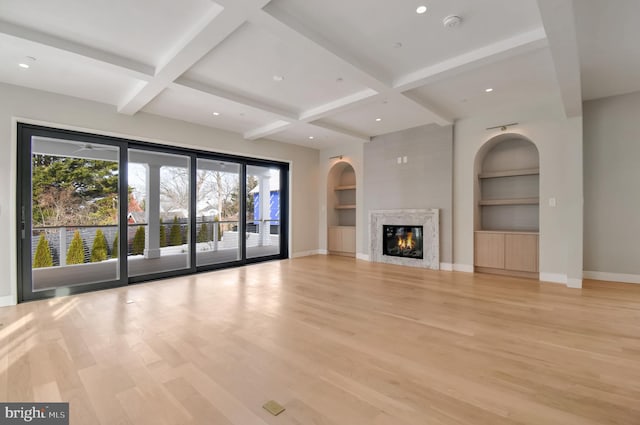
[421, 9]
[378, 119]
[311, 137]
[23, 65]
[278, 78]
[216, 113]
[489, 90]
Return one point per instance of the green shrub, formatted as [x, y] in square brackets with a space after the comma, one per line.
[163, 235]
[216, 218]
[75, 254]
[138, 242]
[175, 236]
[99, 247]
[115, 250]
[203, 235]
[43, 254]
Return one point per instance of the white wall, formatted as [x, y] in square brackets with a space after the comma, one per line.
[611, 176]
[65, 112]
[559, 142]
[353, 154]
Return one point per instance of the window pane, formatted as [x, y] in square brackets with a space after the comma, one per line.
[218, 206]
[158, 212]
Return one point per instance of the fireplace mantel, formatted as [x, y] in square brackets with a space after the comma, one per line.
[429, 219]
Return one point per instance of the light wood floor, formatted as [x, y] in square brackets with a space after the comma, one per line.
[336, 342]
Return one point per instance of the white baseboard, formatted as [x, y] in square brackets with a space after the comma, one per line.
[363, 257]
[308, 253]
[574, 283]
[447, 267]
[7, 301]
[467, 268]
[612, 277]
[554, 278]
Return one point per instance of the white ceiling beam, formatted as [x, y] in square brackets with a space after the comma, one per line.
[351, 101]
[558, 19]
[116, 63]
[183, 83]
[213, 28]
[342, 131]
[267, 130]
[287, 27]
[503, 49]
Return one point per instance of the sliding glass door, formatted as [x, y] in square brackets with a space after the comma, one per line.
[262, 215]
[96, 212]
[159, 212]
[69, 218]
[218, 204]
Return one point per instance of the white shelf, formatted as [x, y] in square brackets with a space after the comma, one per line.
[348, 187]
[518, 201]
[509, 173]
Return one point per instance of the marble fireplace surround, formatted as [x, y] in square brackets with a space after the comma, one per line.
[429, 219]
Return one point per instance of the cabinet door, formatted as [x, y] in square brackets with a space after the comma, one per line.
[349, 239]
[489, 250]
[334, 242]
[521, 253]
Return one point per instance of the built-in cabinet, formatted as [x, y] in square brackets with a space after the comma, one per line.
[507, 208]
[341, 210]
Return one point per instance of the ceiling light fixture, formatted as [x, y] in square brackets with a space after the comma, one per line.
[216, 113]
[489, 90]
[378, 119]
[278, 78]
[27, 62]
[311, 137]
[421, 9]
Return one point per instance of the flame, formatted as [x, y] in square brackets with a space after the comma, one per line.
[406, 243]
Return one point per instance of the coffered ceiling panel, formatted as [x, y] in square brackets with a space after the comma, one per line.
[260, 65]
[313, 136]
[60, 72]
[391, 37]
[144, 30]
[385, 115]
[526, 78]
[197, 107]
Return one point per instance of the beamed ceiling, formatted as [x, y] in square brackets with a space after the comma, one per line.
[321, 73]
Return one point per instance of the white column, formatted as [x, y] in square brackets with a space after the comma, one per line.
[265, 200]
[62, 235]
[152, 236]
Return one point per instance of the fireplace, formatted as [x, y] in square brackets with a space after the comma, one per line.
[402, 241]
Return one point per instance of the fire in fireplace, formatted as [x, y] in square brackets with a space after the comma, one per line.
[402, 241]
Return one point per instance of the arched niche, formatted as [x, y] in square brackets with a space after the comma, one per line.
[507, 206]
[341, 209]
[507, 187]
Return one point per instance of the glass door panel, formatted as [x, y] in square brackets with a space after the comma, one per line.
[73, 230]
[218, 204]
[262, 218]
[158, 218]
